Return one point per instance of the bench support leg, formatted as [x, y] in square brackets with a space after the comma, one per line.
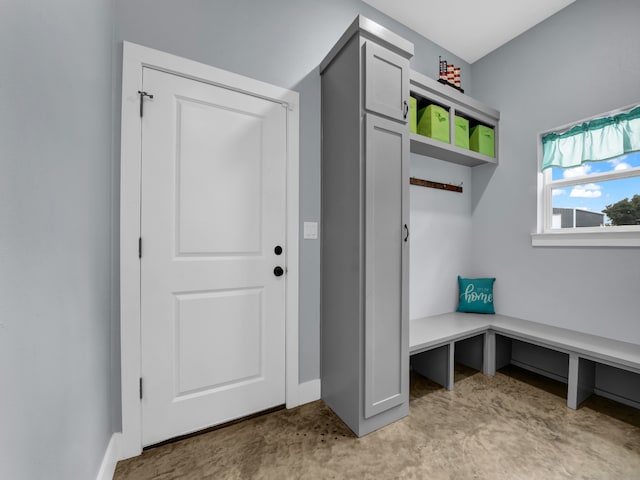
[489, 354]
[436, 365]
[450, 366]
[582, 376]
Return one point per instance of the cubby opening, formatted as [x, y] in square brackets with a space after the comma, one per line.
[541, 360]
[470, 352]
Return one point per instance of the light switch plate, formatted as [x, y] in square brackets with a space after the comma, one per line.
[311, 230]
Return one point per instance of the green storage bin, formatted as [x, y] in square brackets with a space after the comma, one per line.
[413, 115]
[482, 140]
[433, 121]
[462, 132]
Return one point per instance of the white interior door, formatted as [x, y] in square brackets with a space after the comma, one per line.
[213, 213]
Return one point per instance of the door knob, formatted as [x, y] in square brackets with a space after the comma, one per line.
[278, 271]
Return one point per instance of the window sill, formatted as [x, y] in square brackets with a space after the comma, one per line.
[586, 239]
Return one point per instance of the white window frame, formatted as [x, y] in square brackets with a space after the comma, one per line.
[612, 236]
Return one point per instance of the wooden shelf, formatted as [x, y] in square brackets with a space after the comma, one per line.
[445, 151]
[456, 103]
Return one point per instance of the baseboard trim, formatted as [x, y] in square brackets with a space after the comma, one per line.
[306, 392]
[539, 371]
[612, 396]
[110, 459]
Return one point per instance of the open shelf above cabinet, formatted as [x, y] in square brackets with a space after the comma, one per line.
[445, 151]
[429, 91]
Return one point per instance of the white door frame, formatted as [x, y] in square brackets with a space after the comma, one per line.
[135, 57]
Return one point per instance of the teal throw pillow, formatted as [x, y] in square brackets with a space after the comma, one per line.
[476, 295]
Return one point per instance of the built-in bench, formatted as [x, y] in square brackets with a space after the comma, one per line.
[587, 363]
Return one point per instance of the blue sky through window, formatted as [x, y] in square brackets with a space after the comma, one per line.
[597, 195]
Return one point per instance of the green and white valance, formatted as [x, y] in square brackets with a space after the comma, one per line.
[592, 141]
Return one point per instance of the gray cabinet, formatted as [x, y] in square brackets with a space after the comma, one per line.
[386, 264]
[386, 78]
[365, 227]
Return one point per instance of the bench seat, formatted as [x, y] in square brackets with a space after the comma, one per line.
[432, 342]
[429, 332]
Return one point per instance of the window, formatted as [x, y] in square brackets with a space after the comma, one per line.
[589, 182]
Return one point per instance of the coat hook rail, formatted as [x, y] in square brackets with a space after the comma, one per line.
[438, 185]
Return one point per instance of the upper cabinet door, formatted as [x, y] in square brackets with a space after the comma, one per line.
[386, 82]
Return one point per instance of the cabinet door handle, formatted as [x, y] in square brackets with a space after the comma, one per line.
[406, 230]
[406, 108]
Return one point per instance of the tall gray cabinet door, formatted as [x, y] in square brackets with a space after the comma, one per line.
[386, 82]
[386, 260]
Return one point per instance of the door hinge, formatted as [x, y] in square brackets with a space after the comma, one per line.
[139, 247]
[140, 388]
[143, 94]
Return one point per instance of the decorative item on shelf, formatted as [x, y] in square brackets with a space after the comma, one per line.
[449, 74]
[482, 140]
[433, 121]
[443, 69]
[413, 114]
[462, 132]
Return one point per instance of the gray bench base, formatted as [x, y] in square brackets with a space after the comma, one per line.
[437, 363]
[437, 342]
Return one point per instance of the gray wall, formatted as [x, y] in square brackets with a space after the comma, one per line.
[55, 237]
[440, 238]
[581, 62]
[281, 42]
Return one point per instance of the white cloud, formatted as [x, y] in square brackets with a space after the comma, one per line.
[621, 166]
[558, 191]
[580, 171]
[619, 163]
[590, 190]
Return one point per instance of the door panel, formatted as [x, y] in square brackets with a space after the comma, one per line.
[386, 320]
[213, 208]
[211, 351]
[386, 82]
[218, 168]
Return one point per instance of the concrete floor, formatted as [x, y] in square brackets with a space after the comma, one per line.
[512, 426]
